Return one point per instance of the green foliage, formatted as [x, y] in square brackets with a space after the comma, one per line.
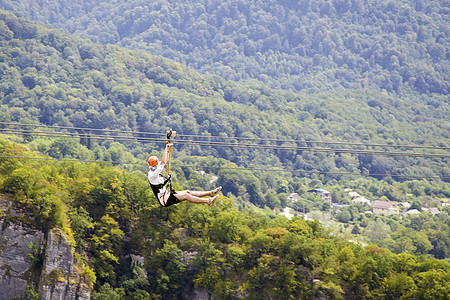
[316, 45]
[21, 180]
[64, 147]
[167, 270]
[225, 226]
[106, 292]
[241, 183]
[82, 225]
[227, 252]
[105, 244]
[344, 216]
[31, 293]
[52, 78]
[89, 276]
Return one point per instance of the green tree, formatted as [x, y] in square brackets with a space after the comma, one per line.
[63, 147]
[344, 216]
[378, 230]
[168, 270]
[224, 227]
[106, 244]
[432, 284]
[400, 286]
[412, 241]
[210, 262]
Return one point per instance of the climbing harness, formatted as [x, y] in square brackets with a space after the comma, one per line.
[161, 190]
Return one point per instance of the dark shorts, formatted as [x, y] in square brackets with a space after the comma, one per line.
[172, 200]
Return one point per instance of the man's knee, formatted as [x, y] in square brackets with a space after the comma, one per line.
[181, 196]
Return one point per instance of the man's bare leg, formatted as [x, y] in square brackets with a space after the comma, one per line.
[205, 193]
[184, 195]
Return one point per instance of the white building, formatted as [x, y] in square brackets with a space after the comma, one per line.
[385, 207]
[412, 212]
[361, 200]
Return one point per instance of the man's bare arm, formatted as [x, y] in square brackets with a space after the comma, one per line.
[165, 156]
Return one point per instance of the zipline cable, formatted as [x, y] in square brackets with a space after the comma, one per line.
[230, 138]
[233, 168]
[224, 144]
[78, 128]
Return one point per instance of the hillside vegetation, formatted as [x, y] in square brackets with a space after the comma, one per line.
[108, 214]
[52, 78]
[238, 248]
[397, 46]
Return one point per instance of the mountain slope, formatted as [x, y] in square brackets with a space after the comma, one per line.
[114, 221]
[53, 78]
[125, 246]
[398, 46]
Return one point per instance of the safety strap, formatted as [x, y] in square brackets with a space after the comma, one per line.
[168, 160]
[168, 181]
[169, 134]
[158, 187]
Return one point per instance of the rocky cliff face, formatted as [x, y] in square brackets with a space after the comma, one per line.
[16, 260]
[58, 279]
[32, 263]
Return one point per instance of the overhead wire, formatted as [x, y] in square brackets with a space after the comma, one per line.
[233, 168]
[65, 159]
[318, 142]
[230, 138]
[87, 133]
[226, 144]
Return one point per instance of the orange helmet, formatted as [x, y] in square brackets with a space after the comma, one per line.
[153, 161]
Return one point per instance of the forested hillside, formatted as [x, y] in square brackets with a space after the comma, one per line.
[397, 46]
[54, 84]
[52, 78]
[128, 247]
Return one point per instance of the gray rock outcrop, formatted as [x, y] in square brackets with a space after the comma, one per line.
[33, 262]
[16, 259]
[59, 280]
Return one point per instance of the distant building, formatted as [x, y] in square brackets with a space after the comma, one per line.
[353, 194]
[445, 203]
[337, 205]
[323, 194]
[385, 207]
[434, 211]
[412, 212]
[361, 200]
[405, 204]
[293, 197]
[286, 213]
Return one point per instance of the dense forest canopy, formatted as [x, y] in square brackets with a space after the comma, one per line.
[107, 214]
[397, 46]
[337, 71]
[52, 78]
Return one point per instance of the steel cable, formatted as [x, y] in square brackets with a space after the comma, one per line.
[224, 144]
[233, 168]
[229, 138]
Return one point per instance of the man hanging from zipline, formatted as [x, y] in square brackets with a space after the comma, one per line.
[158, 182]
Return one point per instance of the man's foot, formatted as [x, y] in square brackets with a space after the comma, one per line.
[212, 199]
[216, 191]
